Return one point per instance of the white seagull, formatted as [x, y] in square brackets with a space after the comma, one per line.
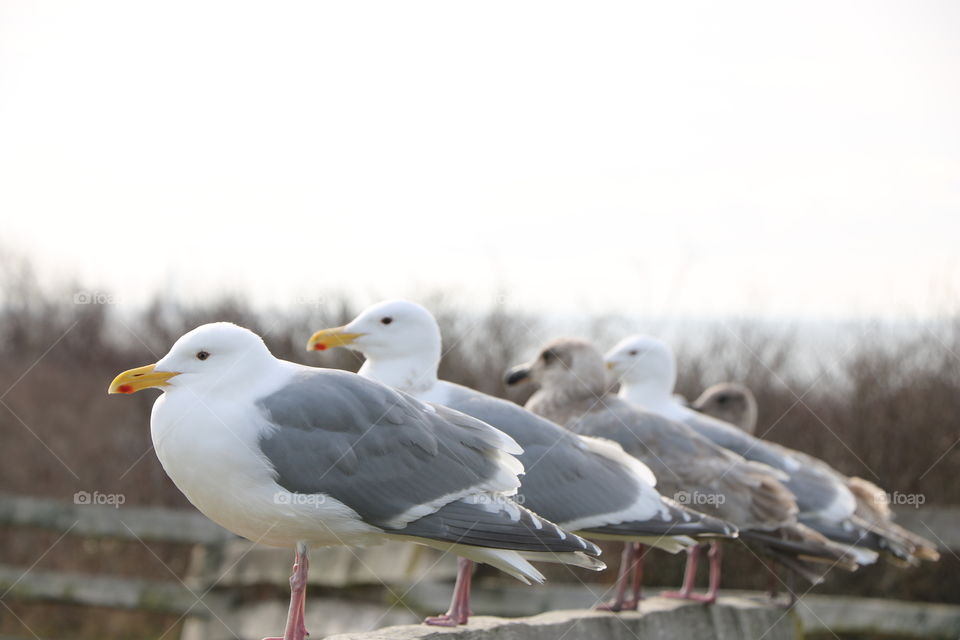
[292, 456]
[647, 370]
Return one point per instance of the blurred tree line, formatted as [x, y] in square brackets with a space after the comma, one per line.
[879, 404]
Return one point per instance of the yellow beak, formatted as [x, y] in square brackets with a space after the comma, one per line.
[329, 338]
[140, 378]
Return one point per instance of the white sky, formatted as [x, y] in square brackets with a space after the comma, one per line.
[661, 158]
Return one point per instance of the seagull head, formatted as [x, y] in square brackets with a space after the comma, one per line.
[730, 402]
[212, 355]
[567, 365]
[389, 330]
[643, 361]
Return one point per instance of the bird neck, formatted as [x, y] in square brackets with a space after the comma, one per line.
[561, 403]
[652, 395]
[412, 374]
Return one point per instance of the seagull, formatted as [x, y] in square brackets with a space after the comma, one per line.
[584, 484]
[736, 404]
[292, 456]
[573, 392]
[647, 371]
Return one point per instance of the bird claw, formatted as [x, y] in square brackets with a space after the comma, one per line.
[631, 605]
[614, 606]
[693, 597]
[446, 620]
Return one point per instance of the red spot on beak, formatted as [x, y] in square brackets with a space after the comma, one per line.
[320, 346]
[125, 388]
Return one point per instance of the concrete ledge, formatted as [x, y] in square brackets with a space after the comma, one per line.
[659, 619]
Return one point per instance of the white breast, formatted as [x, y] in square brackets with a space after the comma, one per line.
[211, 452]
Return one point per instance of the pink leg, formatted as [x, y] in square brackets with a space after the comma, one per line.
[792, 589]
[772, 578]
[623, 575]
[715, 555]
[689, 576]
[459, 611]
[296, 627]
[634, 602]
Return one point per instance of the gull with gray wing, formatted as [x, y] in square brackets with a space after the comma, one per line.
[573, 392]
[584, 484]
[647, 370]
[735, 404]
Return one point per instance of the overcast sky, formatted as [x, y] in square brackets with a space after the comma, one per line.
[679, 158]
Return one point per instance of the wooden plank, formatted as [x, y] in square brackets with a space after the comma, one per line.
[103, 521]
[875, 616]
[324, 616]
[391, 563]
[100, 591]
[937, 523]
[508, 600]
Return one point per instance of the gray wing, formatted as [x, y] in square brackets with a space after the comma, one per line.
[565, 481]
[562, 480]
[740, 442]
[498, 525]
[691, 468]
[819, 489]
[377, 450]
[827, 503]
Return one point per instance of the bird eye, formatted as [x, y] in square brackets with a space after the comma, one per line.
[386, 320]
[722, 399]
[633, 352]
[202, 355]
[548, 356]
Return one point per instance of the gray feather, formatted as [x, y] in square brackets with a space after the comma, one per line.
[683, 461]
[492, 525]
[367, 445]
[564, 480]
[815, 485]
